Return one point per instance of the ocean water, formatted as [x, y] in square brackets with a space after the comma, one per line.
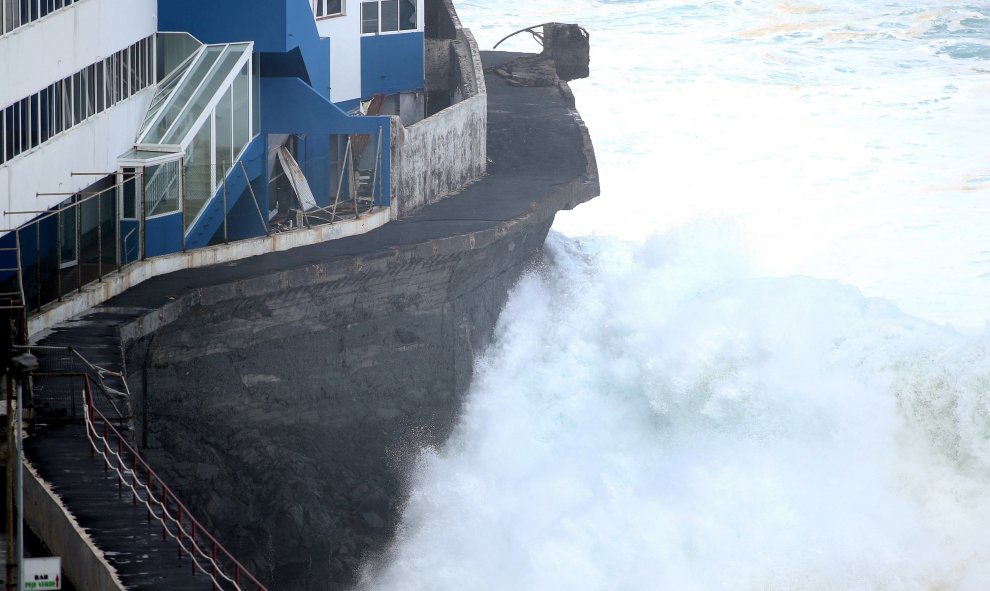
[760, 360]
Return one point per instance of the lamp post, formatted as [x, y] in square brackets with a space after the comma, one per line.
[20, 369]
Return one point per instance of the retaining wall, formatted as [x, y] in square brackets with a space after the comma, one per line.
[82, 562]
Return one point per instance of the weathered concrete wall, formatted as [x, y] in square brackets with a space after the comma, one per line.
[438, 70]
[81, 561]
[444, 153]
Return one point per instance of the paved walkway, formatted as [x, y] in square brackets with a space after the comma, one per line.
[534, 144]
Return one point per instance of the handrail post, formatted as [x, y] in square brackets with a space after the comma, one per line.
[192, 547]
[79, 259]
[58, 257]
[182, 200]
[99, 238]
[223, 166]
[151, 482]
[139, 191]
[213, 568]
[117, 237]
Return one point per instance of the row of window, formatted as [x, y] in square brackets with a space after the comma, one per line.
[36, 119]
[322, 8]
[387, 16]
[17, 13]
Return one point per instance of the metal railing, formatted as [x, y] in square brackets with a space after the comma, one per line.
[206, 554]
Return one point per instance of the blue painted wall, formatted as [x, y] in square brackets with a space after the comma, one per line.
[317, 118]
[163, 235]
[392, 63]
[284, 32]
[211, 221]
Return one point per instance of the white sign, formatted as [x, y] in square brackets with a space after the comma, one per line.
[41, 573]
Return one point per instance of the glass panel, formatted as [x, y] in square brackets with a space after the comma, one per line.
[241, 117]
[101, 93]
[320, 7]
[198, 175]
[407, 15]
[390, 15]
[173, 50]
[161, 188]
[77, 98]
[35, 136]
[182, 95]
[334, 7]
[67, 235]
[128, 194]
[90, 75]
[199, 102]
[224, 141]
[369, 17]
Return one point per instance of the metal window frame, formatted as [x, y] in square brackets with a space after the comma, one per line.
[398, 18]
[323, 5]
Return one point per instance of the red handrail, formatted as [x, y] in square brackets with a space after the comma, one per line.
[213, 568]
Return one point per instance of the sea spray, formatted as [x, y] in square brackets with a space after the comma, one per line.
[655, 416]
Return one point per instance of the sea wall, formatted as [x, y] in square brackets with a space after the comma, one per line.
[291, 421]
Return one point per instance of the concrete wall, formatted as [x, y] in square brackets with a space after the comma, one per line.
[442, 154]
[82, 562]
[64, 42]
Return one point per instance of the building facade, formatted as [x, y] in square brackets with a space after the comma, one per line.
[139, 128]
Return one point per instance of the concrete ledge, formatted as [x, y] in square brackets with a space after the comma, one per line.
[115, 284]
[83, 563]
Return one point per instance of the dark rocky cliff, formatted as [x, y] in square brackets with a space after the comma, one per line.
[287, 400]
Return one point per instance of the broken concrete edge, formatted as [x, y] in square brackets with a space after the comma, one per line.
[116, 283]
[83, 562]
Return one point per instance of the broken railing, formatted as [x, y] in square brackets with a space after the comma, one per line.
[206, 554]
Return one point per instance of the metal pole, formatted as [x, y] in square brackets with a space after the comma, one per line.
[79, 259]
[99, 238]
[58, 258]
[20, 369]
[19, 471]
[182, 201]
[11, 456]
[223, 166]
[139, 191]
[117, 214]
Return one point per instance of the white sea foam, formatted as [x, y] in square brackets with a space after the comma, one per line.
[654, 417]
[697, 398]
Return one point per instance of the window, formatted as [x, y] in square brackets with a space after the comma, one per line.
[325, 8]
[388, 16]
[17, 13]
[36, 119]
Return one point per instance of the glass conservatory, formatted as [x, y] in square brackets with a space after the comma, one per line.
[201, 119]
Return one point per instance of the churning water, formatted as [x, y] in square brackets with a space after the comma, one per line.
[760, 361]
